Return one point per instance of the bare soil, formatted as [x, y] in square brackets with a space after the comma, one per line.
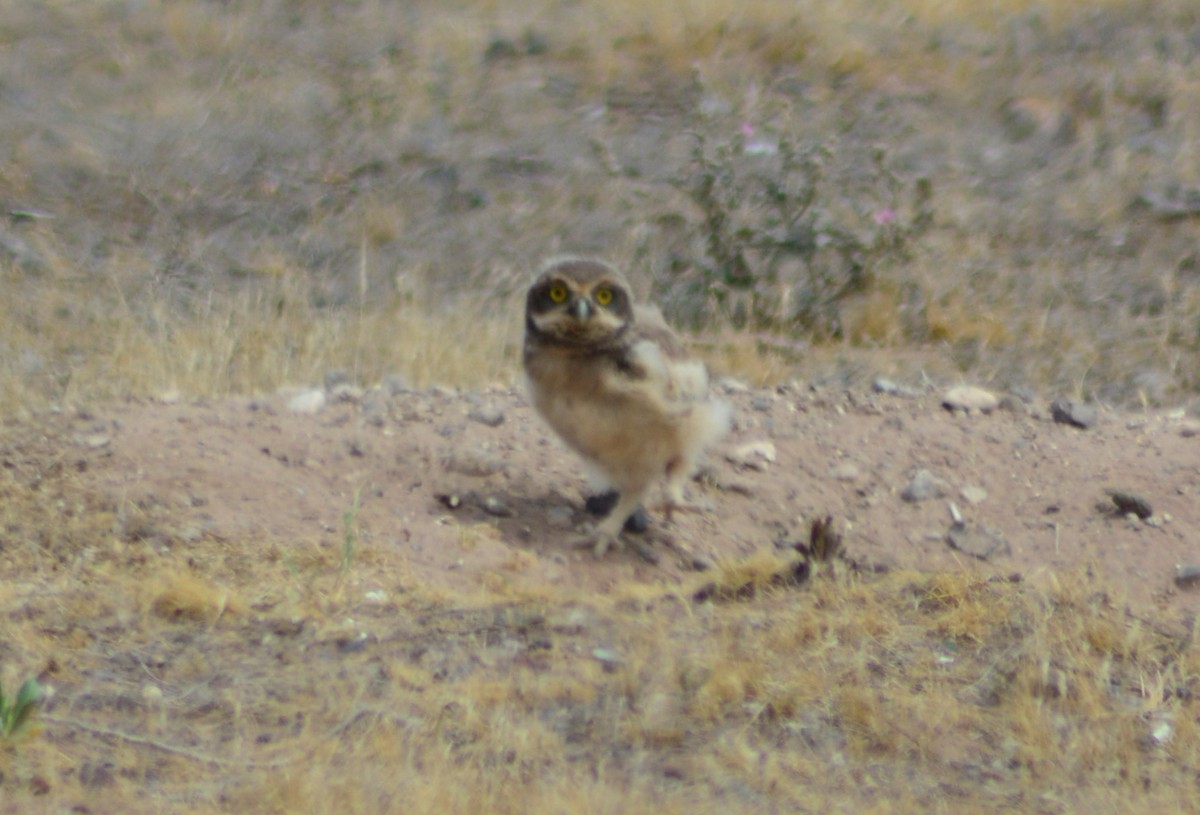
[417, 471]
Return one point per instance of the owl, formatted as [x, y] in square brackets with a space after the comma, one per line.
[611, 378]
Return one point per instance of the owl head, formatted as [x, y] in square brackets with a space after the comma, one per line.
[579, 302]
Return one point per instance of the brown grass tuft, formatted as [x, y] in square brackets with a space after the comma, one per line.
[188, 597]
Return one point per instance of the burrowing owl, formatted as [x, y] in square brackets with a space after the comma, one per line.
[613, 380]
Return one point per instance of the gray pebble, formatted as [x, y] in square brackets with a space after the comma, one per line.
[885, 386]
[494, 506]
[978, 543]
[472, 462]
[307, 401]
[374, 402]
[345, 393]
[1128, 502]
[336, 377]
[845, 471]
[607, 657]
[969, 398]
[1076, 414]
[489, 415]
[973, 494]
[1187, 575]
[395, 384]
[924, 485]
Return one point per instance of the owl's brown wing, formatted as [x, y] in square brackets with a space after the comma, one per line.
[649, 323]
[654, 364]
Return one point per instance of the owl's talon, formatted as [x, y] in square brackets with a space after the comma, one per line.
[598, 542]
[669, 507]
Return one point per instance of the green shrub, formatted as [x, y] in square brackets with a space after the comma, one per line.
[783, 242]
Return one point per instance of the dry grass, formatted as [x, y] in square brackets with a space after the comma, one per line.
[252, 196]
[229, 199]
[230, 684]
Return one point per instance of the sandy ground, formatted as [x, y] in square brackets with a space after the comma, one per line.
[461, 490]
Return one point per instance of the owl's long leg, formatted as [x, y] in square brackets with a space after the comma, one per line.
[602, 503]
[608, 531]
[678, 472]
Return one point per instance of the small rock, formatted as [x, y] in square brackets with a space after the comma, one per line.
[762, 403]
[884, 386]
[395, 384]
[1160, 733]
[973, 494]
[494, 506]
[845, 471]
[96, 440]
[1128, 502]
[731, 386]
[336, 377]
[755, 455]
[607, 658]
[560, 517]
[310, 401]
[376, 596]
[978, 543]
[472, 462]
[345, 393]
[374, 404]
[191, 533]
[1189, 429]
[647, 554]
[354, 644]
[969, 399]
[1187, 575]
[924, 485]
[1013, 404]
[489, 415]
[1076, 414]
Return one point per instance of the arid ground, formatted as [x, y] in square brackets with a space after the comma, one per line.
[279, 531]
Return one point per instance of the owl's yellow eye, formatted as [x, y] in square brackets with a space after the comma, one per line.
[604, 296]
[558, 293]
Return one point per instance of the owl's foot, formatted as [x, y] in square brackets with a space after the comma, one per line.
[599, 542]
[673, 505]
[604, 503]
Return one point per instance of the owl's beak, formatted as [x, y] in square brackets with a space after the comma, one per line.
[582, 309]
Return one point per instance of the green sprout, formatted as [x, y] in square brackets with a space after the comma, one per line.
[15, 713]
